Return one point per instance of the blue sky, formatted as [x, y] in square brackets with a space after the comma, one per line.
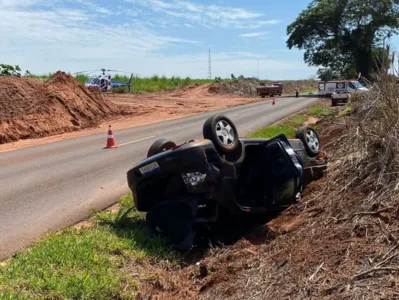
[150, 37]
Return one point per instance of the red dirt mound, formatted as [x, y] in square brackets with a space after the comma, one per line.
[247, 88]
[30, 108]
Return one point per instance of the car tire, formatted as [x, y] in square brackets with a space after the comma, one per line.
[310, 140]
[333, 102]
[159, 146]
[223, 133]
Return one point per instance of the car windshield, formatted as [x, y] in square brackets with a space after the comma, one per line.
[355, 85]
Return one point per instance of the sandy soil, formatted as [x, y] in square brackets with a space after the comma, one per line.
[192, 99]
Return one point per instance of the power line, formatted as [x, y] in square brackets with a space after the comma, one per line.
[209, 66]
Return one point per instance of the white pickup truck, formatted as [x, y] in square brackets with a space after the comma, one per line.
[340, 91]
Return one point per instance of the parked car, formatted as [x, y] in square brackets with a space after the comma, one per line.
[341, 90]
[339, 97]
[183, 186]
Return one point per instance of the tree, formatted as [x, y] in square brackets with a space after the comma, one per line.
[343, 34]
[325, 74]
[7, 70]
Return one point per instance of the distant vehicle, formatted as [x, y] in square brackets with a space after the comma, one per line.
[327, 88]
[105, 82]
[270, 90]
[340, 90]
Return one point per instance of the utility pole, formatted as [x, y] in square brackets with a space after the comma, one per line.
[209, 66]
[257, 69]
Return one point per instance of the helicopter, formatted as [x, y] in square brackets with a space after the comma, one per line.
[104, 81]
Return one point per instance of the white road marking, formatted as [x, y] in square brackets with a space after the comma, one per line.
[136, 141]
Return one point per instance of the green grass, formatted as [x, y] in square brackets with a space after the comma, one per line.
[274, 130]
[319, 111]
[145, 84]
[306, 91]
[296, 120]
[289, 126]
[83, 263]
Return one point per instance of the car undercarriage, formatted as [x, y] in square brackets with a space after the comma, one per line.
[184, 186]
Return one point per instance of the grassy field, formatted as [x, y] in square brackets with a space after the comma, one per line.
[86, 263]
[289, 125]
[145, 84]
[159, 83]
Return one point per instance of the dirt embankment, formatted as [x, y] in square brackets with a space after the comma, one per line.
[185, 101]
[245, 87]
[30, 108]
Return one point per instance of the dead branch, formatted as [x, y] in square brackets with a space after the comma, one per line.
[390, 251]
[364, 213]
[317, 271]
[373, 270]
[387, 259]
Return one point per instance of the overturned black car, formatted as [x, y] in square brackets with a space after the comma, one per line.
[183, 186]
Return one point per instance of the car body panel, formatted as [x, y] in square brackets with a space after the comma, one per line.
[189, 185]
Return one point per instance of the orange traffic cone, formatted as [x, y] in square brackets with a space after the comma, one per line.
[110, 139]
[274, 101]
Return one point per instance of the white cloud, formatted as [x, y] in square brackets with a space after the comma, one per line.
[66, 28]
[252, 34]
[207, 15]
[47, 35]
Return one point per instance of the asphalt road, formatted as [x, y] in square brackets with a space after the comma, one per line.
[47, 187]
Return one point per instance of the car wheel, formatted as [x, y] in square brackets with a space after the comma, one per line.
[223, 133]
[159, 146]
[310, 139]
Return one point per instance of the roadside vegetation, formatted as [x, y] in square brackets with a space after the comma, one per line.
[340, 242]
[88, 262]
[143, 84]
[347, 38]
[154, 83]
[351, 211]
[290, 124]
[94, 260]
[344, 244]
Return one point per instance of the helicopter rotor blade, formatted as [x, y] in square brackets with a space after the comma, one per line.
[119, 71]
[82, 72]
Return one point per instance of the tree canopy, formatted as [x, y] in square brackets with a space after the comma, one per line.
[9, 70]
[344, 35]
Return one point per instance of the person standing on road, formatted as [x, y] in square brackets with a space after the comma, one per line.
[297, 91]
